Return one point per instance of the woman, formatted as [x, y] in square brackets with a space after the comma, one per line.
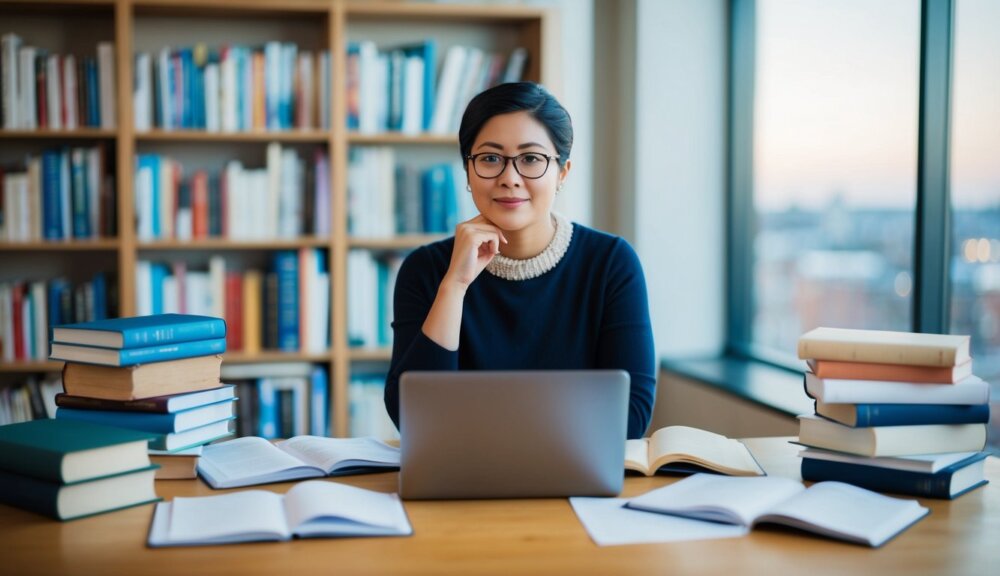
[519, 286]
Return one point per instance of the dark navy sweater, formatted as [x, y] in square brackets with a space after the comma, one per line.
[589, 312]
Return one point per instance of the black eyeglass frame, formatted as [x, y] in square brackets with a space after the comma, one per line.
[513, 161]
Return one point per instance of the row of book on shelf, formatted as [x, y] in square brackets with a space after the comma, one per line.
[287, 198]
[45, 90]
[387, 198]
[28, 309]
[286, 307]
[399, 88]
[277, 86]
[61, 194]
[895, 412]
[371, 280]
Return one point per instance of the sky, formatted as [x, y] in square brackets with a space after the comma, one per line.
[836, 103]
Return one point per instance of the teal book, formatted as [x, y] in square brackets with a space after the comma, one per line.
[80, 499]
[134, 356]
[67, 451]
[169, 423]
[141, 331]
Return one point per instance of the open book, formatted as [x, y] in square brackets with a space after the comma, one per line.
[309, 510]
[831, 509]
[686, 449]
[254, 460]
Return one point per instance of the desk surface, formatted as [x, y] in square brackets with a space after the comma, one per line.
[509, 537]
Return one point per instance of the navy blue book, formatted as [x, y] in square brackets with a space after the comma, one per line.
[169, 423]
[141, 331]
[948, 483]
[867, 415]
[134, 356]
[286, 267]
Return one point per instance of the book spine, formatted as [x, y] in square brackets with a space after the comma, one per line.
[880, 479]
[172, 352]
[286, 266]
[919, 414]
[154, 405]
[30, 494]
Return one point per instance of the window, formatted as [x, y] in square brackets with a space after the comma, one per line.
[834, 142]
[975, 182]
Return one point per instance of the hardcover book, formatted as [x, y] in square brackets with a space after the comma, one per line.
[891, 440]
[156, 405]
[972, 390]
[142, 381]
[686, 449]
[884, 347]
[890, 372]
[253, 460]
[133, 356]
[830, 509]
[141, 331]
[170, 423]
[867, 415]
[308, 510]
[948, 483]
[69, 501]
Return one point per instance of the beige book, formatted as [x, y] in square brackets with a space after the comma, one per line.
[251, 312]
[883, 347]
[142, 380]
[819, 432]
[682, 448]
[180, 465]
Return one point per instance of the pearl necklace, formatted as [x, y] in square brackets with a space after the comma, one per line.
[513, 269]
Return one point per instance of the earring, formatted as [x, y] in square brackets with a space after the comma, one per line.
[559, 187]
[468, 187]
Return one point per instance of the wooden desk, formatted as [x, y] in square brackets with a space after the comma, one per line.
[509, 537]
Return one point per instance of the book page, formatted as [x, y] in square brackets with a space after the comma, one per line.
[734, 500]
[247, 457]
[327, 453]
[637, 454]
[686, 444]
[609, 523]
[847, 512]
[329, 508]
[239, 516]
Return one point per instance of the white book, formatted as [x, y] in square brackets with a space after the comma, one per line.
[10, 45]
[217, 281]
[818, 432]
[212, 97]
[142, 102]
[69, 95]
[144, 203]
[167, 188]
[971, 390]
[143, 288]
[925, 463]
[6, 323]
[227, 68]
[610, 523]
[370, 88]
[26, 88]
[308, 510]
[106, 82]
[272, 208]
[53, 92]
[166, 118]
[305, 92]
[23, 192]
[831, 509]
[272, 84]
[325, 89]
[468, 86]
[515, 66]
[271, 369]
[171, 295]
[290, 199]
[447, 89]
[413, 95]
[253, 460]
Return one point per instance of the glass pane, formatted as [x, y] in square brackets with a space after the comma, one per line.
[975, 189]
[835, 164]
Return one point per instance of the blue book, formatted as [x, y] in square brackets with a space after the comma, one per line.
[152, 162]
[141, 331]
[868, 415]
[286, 267]
[134, 356]
[319, 421]
[267, 409]
[100, 303]
[427, 50]
[178, 441]
[149, 422]
[948, 483]
[93, 93]
[433, 194]
[51, 196]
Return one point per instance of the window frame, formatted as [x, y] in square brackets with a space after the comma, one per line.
[932, 242]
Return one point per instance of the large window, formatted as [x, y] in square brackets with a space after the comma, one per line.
[975, 182]
[834, 166]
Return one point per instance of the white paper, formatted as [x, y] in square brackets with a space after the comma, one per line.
[610, 524]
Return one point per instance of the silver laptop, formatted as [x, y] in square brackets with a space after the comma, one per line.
[510, 434]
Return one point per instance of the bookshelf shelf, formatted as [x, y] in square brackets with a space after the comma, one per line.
[225, 244]
[150, 26]
[61, 245]
[395, 243]
[228, 137]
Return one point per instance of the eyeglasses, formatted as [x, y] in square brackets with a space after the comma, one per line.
[529, 165]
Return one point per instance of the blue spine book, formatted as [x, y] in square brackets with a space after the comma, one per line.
[353, 85]
[938, 485]
[79, 194]
[100, 304]
[432, 188]
[51, 201]
[868, 415]
[450, 197]
[93, 93]
[319, 402]
[158, 273]
[267, 409]
[142, 331]
[427, 50]
[286, 266]
[162, 353]
[168, 423]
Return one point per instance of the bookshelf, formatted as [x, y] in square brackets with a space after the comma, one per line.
[76, 26]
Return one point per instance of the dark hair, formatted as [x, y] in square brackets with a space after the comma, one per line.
[517, 97]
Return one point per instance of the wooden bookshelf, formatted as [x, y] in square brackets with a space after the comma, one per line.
[137, 25]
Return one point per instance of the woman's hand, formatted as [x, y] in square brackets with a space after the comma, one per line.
[477, 241]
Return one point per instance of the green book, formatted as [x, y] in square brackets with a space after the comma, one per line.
[79, 499]
[66, 451]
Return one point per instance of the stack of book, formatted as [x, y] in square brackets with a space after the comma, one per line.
[895, 412]
[157, 374]
[67, 469]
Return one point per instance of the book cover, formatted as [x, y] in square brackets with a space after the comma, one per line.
[69, 451]
[141, 331]
[166, 423]
[867, 415]
[884, 347]
[949, 483]
[890, 372]
[142, 380]
[155, 405]
[73, 501]
[133, 356]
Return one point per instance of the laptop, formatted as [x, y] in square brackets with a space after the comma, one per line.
[512, 434]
